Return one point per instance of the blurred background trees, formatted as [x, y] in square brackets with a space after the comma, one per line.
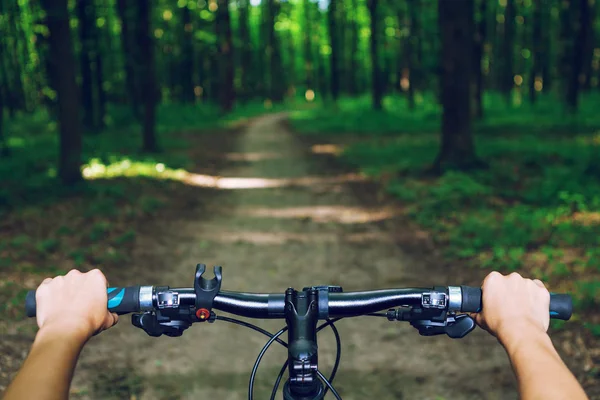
[79, 60]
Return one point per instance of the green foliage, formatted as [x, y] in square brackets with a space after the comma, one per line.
[49, 245]
[126, 237]
[536, 206]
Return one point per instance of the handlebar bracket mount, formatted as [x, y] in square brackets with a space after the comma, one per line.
[207, 289]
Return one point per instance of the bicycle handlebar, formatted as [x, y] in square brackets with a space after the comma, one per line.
[124, 300]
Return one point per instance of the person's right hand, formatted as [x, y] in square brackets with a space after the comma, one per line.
[513, 306]
[74, 304]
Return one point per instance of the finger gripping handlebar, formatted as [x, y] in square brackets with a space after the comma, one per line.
[121, 300]
[561, 305]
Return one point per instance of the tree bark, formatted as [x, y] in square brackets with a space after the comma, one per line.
[333, 38]
[308, 51]
[574, 16]
[587, 20]
[353, 71]
[226, 71]
[508, 50]
[376, 84]
[536, 55]
[63, 77]
[187, 54]
[85, 63]
[456, 29]
[246, 56]
[479, 42]
[148, 75]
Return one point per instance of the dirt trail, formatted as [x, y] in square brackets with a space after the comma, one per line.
[311, 232]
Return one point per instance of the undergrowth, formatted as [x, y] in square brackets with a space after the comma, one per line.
[47, 229]
[535, 209]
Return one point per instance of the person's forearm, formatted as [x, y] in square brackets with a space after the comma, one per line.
[47, 372]
[539, 368]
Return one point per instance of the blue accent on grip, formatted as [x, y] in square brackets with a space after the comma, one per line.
[115, 301]
[553, 313]
[110, 290]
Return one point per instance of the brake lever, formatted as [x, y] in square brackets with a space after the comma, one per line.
[434, 322]
[155, 324]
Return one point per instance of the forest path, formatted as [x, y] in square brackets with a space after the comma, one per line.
[306, 227]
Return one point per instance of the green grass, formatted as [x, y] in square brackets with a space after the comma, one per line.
[47, 229]
[29, 173]
[535, 209]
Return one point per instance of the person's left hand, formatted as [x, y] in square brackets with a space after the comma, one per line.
[75, 304]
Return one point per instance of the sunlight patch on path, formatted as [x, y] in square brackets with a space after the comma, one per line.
[253, 156]
[325, 213]
[264, 183]
[280, 238]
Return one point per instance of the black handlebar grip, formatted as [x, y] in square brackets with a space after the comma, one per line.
[120, 300]
[124, 300]
[30, 303]
[471, 299]
[561, 306]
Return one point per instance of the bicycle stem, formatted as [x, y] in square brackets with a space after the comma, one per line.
[302, 315]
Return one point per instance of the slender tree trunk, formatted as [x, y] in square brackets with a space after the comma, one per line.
[508, 50]
[536, 55]
[226, 70]
[187, 54]
[308, 51]
[97, 54]
[457, 30]
[376, 69]
[63, 77]
[4, 150]
[353, 70]
[85, 62]
[333, 38]
[547, 38]
[148, 74]
[574, 12]
[127, 10]
[246, 67]
[477, 59]
[587, 21]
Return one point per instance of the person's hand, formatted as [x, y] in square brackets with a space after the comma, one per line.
[513, 306]
[74, 304]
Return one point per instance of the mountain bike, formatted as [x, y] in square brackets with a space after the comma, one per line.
[161, 310]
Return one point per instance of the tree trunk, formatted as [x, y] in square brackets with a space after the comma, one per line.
[333, 37]
[127, 10]
[456, 29]
[226, 71]
[85, 63]
[508, 50]
[353, 70]
[480, 37]
[536, 55]
[63, 77]
[187, 54]
[587, 21]
[246, 68]
[308, 52]
[574, 32]
[547, 39]
[147, 72]
[99, 51]
[4, 151]
[376, 69]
